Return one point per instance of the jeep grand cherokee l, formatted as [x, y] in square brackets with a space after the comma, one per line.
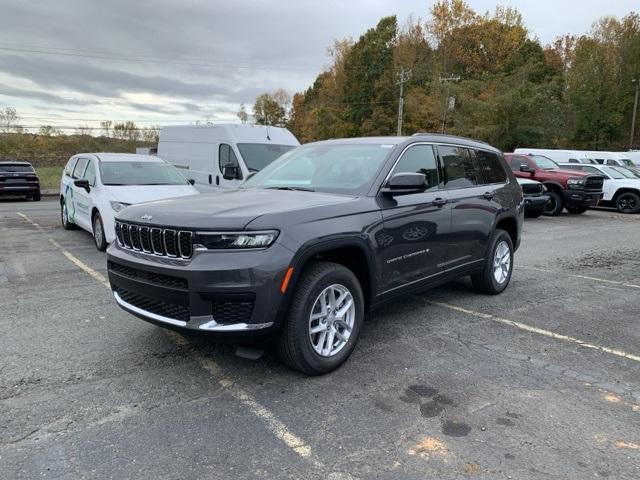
[317, 238]
[575, 191]
[19, 179]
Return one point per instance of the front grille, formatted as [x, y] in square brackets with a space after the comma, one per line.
[166, 242]
[232, 311]
[594, 182]
[532, 188]
[151, 277]
[158, 307]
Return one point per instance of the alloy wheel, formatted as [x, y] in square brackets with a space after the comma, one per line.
[331, 320]
[501, 262]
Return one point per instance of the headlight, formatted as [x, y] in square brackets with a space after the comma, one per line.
[576, 183]
[230, 240]
[118, 206]
[544, 188]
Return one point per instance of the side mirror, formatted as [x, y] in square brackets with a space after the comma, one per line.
[402, 183]
[191, 181]
[526, 168]
[82, 183]
[231, 172]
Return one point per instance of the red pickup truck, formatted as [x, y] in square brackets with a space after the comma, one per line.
[575, 191]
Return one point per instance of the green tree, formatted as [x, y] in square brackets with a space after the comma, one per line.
[267, 111]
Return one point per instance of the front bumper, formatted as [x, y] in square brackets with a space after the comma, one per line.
[535, 203]
[225, 293]
[581, 198]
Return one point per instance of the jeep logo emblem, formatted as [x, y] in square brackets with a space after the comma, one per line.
[146, 217]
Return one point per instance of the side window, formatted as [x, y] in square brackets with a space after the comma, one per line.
[459, 167]
[611, 162]
[420, 159]
[226, 157]
[491, 167]
[80, 166]
[591, 170]
[68, 170]
[90, 173]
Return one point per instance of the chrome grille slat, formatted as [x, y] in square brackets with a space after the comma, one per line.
[165, 242]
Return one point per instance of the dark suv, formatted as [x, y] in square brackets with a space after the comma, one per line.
[19, 179]
[330, 230]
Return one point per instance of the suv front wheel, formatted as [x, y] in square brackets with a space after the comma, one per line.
[324, 320]
[498, 265]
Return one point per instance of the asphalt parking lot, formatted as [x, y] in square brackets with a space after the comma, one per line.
[542, 381]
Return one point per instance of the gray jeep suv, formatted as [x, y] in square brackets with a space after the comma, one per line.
[327, 232]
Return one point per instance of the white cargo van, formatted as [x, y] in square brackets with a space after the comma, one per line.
[558, 156]
[222, 155]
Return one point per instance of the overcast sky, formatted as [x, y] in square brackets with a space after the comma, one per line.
[168, 61]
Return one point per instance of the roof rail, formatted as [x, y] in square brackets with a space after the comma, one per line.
[417, 134]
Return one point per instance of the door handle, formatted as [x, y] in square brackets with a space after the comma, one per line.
[489, 195]
[439, 202]
[210, 179]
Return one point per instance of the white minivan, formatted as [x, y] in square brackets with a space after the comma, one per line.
[222, 155]
[96, 186]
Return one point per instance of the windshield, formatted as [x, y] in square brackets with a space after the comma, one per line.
[256, 156]
[626, 162]
[612, 172]
[544, 163]
[140, 173]
[626, 173]
[335, 168]
[16, 168]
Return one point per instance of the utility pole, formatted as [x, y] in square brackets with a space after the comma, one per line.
[403, 77]
[446, 101]
[635, 111]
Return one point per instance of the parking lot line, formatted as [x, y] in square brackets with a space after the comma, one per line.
[584, 277]
[275, 426]
[539, 331]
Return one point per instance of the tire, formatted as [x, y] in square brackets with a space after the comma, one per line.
[98, 232]
[554, 206]
[577, 210]
[295, 345]
[628, 202]
[489, 281]
[36, 197]
[66, 223]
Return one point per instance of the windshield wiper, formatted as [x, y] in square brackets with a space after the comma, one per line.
[295, 189]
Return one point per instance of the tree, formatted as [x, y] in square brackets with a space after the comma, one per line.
[242, 114]
[49, 131]
[267, 111]
[8, 120]
[106, 127]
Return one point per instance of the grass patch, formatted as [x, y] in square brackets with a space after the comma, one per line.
[50, 177]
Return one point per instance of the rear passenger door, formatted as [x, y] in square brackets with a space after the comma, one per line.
[474, 202]
[415, 226]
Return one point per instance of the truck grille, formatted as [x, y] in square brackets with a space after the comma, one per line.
[594, 182]
[532, 188]
[158, 307]
[166, 242]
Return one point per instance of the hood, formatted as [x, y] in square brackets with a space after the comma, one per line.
[526, 181]
[230, 209]
[134, 194]
[574, 173]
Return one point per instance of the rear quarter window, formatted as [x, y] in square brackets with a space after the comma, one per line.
[490, 167]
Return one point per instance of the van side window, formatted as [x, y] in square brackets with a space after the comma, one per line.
[68, 170]
[419, 159]
[226, 157]
[80, 166]
[459, 167]
[491, 167]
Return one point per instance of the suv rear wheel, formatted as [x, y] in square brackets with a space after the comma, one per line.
[324, 321]
[628, 202]
[554, 206]
[498, 265]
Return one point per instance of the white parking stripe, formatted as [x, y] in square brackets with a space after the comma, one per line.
[584, 277]
[540, 331]
[275, 426]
